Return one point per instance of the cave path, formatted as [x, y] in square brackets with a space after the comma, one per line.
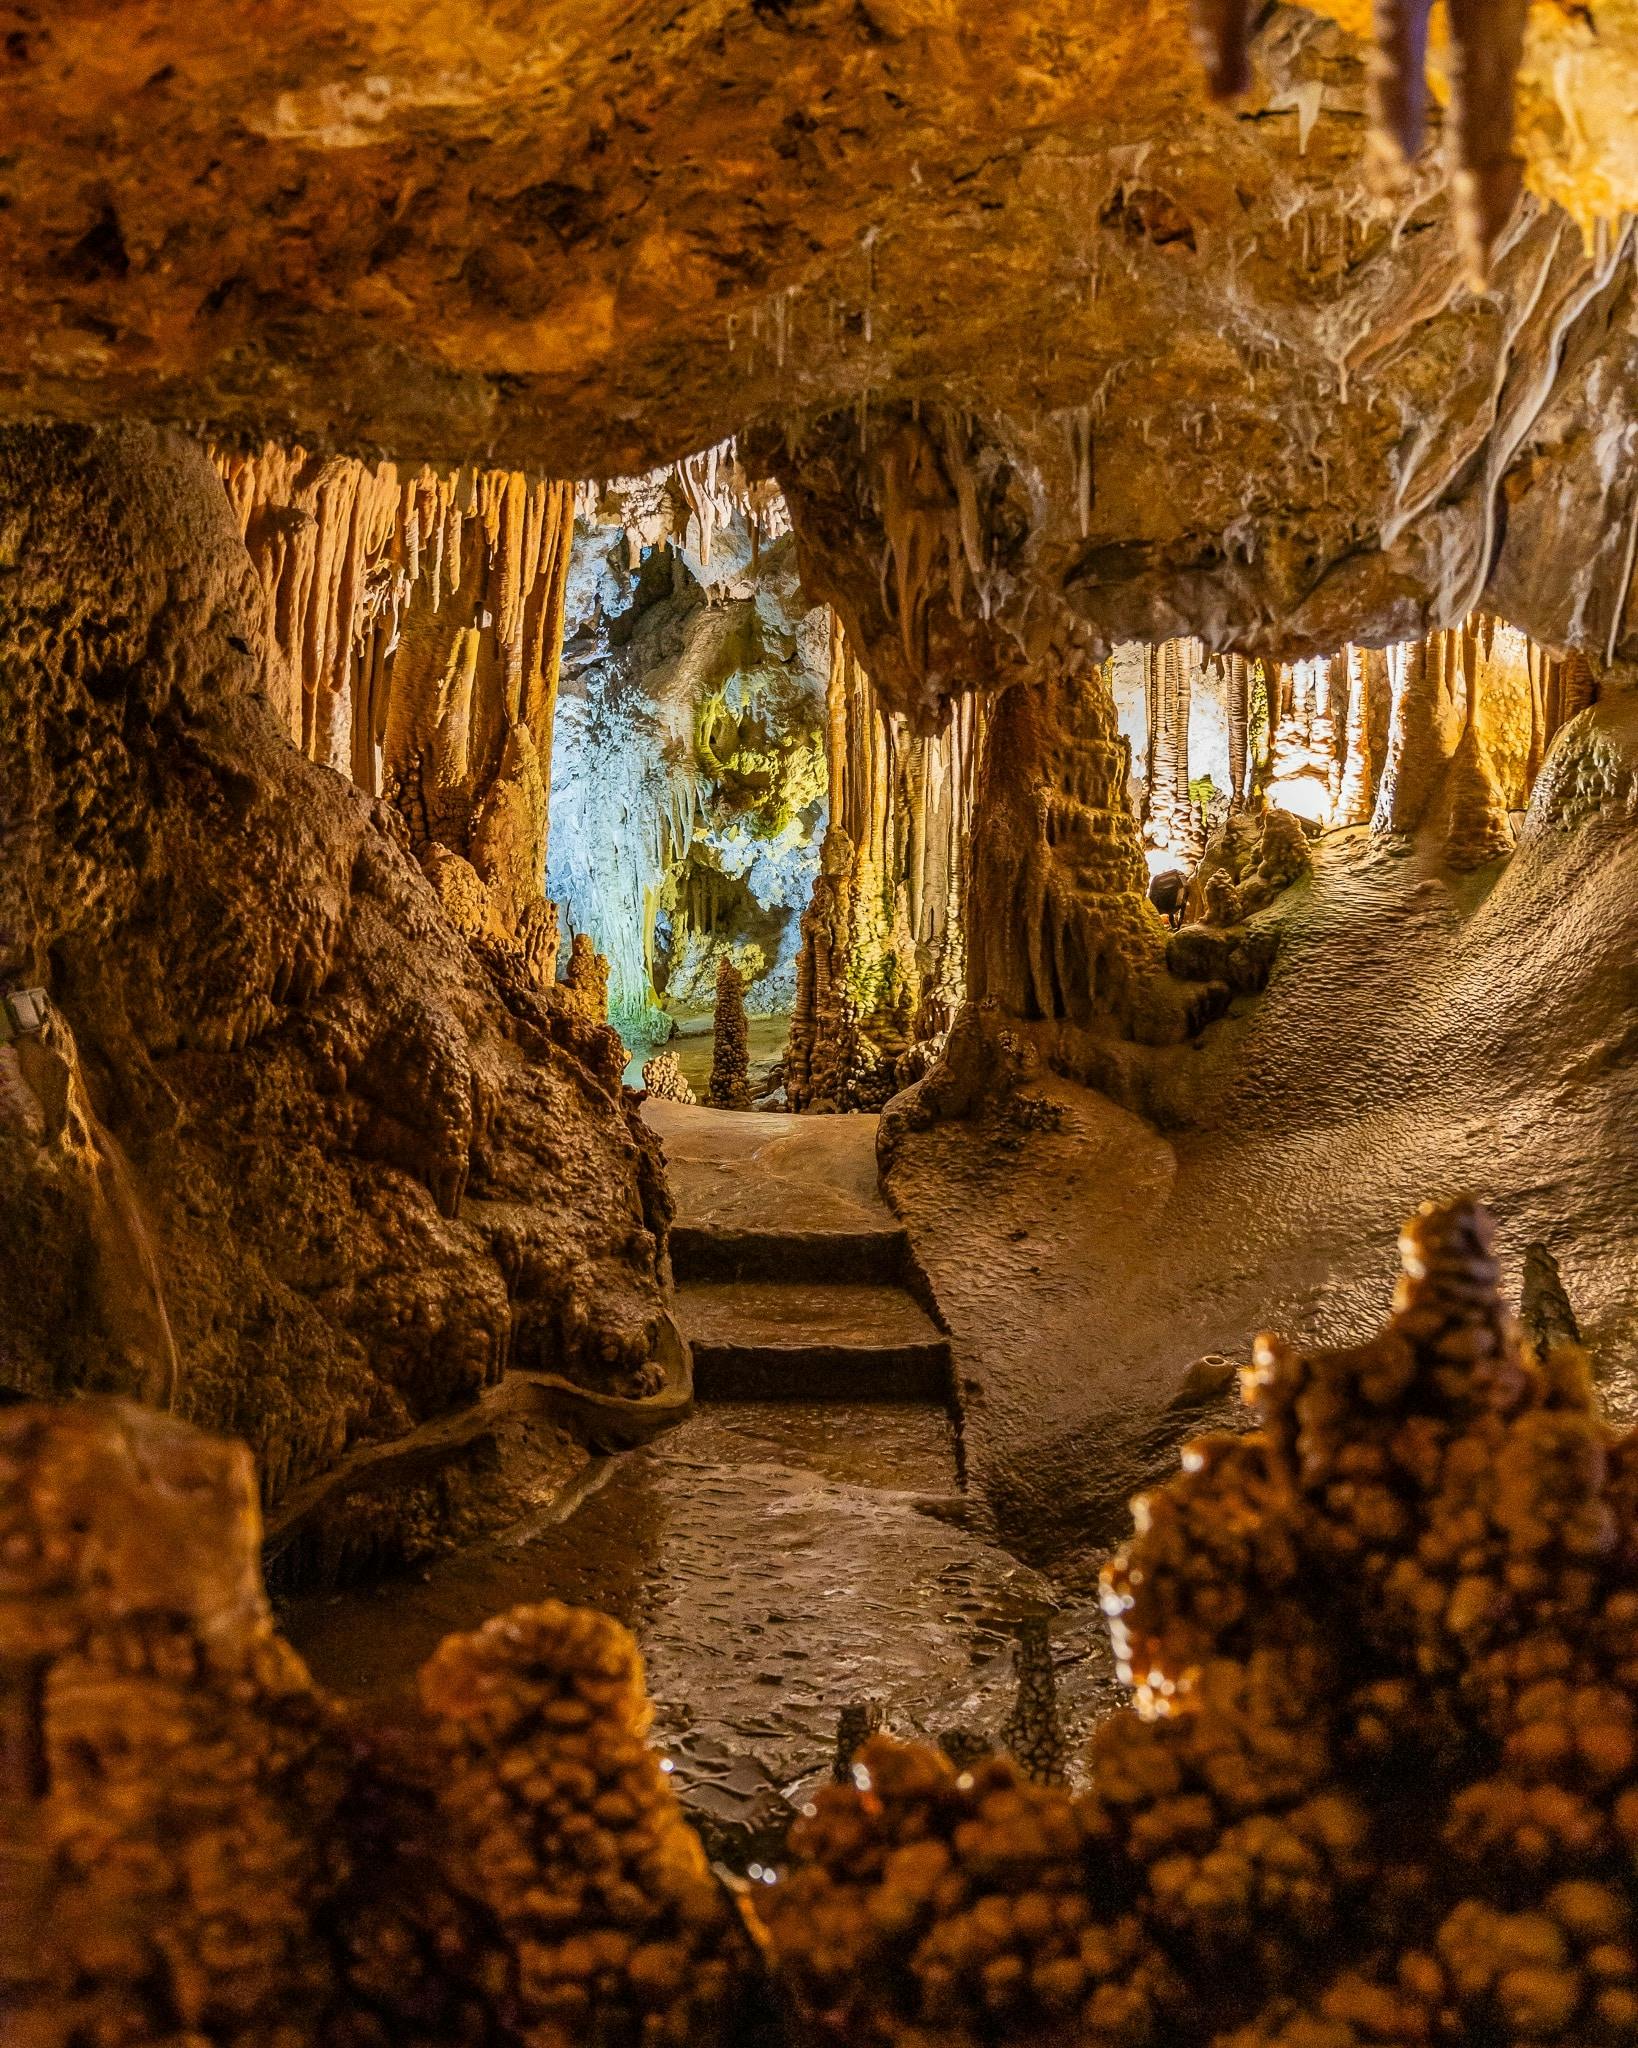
[776, 1557]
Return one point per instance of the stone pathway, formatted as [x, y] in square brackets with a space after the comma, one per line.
[795, 1281]
[777, 1556]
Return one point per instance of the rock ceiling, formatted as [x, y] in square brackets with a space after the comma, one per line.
[1210, 377]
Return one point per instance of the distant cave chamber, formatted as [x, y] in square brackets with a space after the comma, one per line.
[688, 802]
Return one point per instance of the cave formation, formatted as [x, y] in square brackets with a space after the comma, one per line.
[758, 768]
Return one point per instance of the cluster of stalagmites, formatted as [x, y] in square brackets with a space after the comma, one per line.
[1379, 1783]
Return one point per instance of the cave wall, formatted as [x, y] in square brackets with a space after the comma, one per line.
[290, 1157]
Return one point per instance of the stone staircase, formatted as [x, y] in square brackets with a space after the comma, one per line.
[794, 1281]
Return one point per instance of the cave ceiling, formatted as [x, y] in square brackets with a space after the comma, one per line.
[1209, 377]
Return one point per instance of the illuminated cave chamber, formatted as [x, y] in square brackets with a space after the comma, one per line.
[1443, 736]
[688, 797]
[1163, 492]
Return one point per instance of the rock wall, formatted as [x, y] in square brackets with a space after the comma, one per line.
[289, 1156]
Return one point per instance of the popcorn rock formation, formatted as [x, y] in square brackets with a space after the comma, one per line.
[198, 1845]
[1376, 1785]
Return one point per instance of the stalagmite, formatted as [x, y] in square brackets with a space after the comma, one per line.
[730, 1060]
[1416, 745]
[1059, 927]
[663, 1078]
[587, 979]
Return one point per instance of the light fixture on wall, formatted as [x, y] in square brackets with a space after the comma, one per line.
[25, 1011]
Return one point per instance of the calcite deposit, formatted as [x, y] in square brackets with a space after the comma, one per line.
[882, 967]
[1373, 1785]
[1083, 338]
[289, 1157]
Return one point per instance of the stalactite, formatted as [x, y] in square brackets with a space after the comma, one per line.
[1486, 48]
[1239, 714]
[418, 623]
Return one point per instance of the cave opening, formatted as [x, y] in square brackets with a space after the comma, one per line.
[818, 885]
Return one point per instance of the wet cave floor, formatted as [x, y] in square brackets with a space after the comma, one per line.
[779, 1559]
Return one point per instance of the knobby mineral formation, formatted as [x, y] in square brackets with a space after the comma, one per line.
[1378, 1782]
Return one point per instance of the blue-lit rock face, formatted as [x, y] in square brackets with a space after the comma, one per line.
[688, 768]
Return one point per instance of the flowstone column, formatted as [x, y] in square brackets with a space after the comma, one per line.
[1059, 927]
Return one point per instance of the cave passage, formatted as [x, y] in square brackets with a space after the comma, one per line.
[818, 1028]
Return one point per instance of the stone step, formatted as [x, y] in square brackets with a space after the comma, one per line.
[710, 1252]
[798, 1340]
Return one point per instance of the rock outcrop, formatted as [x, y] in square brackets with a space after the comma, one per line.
[1062, 321]
[288, 1156]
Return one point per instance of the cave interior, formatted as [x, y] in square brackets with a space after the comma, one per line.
[818, 1028]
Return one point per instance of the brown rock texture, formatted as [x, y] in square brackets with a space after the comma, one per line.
[288, 1157]
[1061, 935]
[1376, 1784]
[1078, 336]
[199, 1843]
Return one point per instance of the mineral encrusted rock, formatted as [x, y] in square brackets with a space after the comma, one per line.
[1378, 1783]
[611, 1926]
[730, 1086]
[289, 1156]
[196, 1839]
[418, 621]
[664, 1079]
[1217, 382]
